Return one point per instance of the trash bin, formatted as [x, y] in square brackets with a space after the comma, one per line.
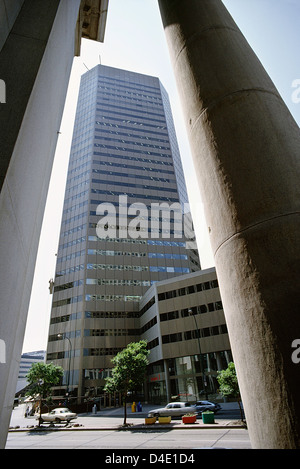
[139, 407]
[133, 407]
[208, 417]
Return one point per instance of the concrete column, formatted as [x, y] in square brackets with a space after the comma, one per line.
[167, 380]
[245, 146]
[219, 361]
[36, 61]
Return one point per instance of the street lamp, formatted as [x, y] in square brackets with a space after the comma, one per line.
[201, 360]
[63, 336]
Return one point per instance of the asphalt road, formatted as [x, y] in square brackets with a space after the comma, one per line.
[102, 431]
[185, 439]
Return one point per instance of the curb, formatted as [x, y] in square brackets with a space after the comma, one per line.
[132, 427]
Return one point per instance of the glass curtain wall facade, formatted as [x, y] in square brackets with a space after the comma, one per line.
[115, 239]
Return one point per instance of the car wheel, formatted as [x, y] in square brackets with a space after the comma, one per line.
[57, 420]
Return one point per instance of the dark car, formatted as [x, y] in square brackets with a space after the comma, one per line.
[173, 409]
[202, 406]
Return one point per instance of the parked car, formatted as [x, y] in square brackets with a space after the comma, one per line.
[202, 406]
[61, 414]
[173, 409]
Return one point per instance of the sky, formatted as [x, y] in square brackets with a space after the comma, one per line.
[135, 41]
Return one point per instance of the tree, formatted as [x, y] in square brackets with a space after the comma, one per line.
[229, 386]
[41, 378]
[129, 370]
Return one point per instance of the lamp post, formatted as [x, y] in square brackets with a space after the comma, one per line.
[200, 354]
[63, 336]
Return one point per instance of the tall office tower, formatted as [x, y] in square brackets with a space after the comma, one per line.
[123, 226]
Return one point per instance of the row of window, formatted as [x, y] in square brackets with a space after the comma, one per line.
[131, 142]
[111, 314]
[108, 129]
[188, 290]
[129, 184]
[142, 133]
[76, 196]
[97, 373]
[129, 101]
[151, 242]
[131, 166]
[140, 125]
[118, 82]
[73, 255]
[95, 315]
[133, 195]
[72, 243]
[67, 335]
[133, 94]
[114, 281]
[76, 229]
[144, 119]
[65, 318]
[67, 286]
[136, 268]
[130, 150]
[130, 298]
[199, 309]
[148, 325]
[133, 176]
[194, 334]
[79, 176]
[67, 221]
[67, 301]
[94, 352]
[110, 332]
[129, 98]
[151, 255]
[136, 228]
[103, 252]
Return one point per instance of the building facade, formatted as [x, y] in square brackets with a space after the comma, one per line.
[125, 224]
[185, 320]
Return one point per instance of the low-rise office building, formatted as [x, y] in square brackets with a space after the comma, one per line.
[183, 321]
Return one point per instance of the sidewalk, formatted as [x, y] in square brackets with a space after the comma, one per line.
[112, 419]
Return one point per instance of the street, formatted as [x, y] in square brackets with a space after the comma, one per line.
[101, 431]
[138, 440]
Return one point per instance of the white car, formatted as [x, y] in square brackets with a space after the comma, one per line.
[174, 409]
[61, 414]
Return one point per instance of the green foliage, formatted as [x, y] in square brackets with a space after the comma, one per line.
[228, 382]
[42, 377]
[229, 386]
[129, 370]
